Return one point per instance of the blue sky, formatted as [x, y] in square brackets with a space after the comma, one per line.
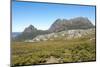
[42, 15]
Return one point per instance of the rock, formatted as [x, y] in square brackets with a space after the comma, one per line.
[92, 39]
[30, 29]
[52, 60]
[29, 41]
[75, 23]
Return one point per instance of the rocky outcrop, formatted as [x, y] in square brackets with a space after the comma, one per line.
[75, 23]
[30, 29]
[65, 35]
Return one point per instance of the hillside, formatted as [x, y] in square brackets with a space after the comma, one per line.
[65, 35]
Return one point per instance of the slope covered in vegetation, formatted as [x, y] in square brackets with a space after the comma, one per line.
[55, 51]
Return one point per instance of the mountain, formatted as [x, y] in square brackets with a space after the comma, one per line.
[75, 23]
[29, 33]
[59, 25]
[30, 29]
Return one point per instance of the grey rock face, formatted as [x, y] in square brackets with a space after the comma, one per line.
[75, 23]
[30, 29]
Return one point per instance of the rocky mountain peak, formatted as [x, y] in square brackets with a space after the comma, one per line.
[81, 20]
[75, 23]
[30, 29]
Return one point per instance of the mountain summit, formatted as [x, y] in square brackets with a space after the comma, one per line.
[30, 29]
[29, 33]
[75, 23]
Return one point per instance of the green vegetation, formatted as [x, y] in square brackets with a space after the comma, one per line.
[32, 53]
